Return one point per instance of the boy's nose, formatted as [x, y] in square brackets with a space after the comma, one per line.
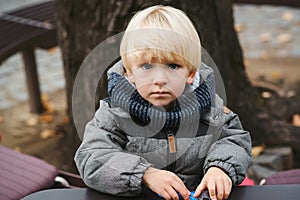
[160, 78]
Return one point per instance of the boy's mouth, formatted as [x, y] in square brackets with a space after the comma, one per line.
[160, 93]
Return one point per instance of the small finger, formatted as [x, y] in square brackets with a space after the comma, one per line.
[185, 195]
[165, 195]
[181, 188]
[227, 189]
[173, 194]
[211, 186]
[220, 190]
[199, 189]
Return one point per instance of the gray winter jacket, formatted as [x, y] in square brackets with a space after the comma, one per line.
[113, 155]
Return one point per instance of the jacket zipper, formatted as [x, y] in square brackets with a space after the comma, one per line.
[171, 152]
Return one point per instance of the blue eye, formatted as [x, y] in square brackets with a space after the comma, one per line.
[173, 66]
[147, 66]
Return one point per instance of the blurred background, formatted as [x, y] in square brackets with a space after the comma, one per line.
[269, 37]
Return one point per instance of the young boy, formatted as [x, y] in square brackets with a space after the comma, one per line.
[162, 125]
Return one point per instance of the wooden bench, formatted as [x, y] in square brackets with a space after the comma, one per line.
[23, 30]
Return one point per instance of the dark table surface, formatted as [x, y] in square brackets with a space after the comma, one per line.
[267, 192]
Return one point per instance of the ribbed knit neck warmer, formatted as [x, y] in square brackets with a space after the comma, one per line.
[187, 108]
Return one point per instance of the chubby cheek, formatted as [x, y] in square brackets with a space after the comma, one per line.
[178, 88]
[143, 89]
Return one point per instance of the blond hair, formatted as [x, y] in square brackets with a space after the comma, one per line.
[163, 33]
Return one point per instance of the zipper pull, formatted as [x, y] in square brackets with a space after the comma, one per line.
[172, 145]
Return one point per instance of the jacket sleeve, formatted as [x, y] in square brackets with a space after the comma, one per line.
[232, 151]
[102, 162]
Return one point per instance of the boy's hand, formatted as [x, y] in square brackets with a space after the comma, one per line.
[217, 182]
[165, 183]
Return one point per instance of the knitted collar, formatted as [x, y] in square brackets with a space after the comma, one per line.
[187, 109]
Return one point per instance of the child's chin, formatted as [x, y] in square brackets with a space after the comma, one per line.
[160, 103]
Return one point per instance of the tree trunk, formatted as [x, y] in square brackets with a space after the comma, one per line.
[84, 24]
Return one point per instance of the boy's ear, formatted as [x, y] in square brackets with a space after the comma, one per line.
[191, 77]
[130, 76]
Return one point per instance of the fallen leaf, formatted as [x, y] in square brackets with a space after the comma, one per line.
[284, 38]
[66, 120]
[44, 97]
[265, 37]
[45, 134]
[296, 120]
[266, 95]
[290, 93]
[52, 50]
[32, 121]
[275, 75]
[239, 27]
[18, 149]
[45, 118]
[48, 106]
[287, 16]
[257, 150]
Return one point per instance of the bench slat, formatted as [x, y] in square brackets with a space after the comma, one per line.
[39, 14]
[14, 36]
[28, 21]
[34, 8]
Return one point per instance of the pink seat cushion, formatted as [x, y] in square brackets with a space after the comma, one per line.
[22, 174]
[284, 177]
[247, 181]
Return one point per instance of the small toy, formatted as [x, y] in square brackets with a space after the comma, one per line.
[204, 196]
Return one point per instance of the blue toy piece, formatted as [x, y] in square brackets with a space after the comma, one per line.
[192, 196]
[204, 196]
